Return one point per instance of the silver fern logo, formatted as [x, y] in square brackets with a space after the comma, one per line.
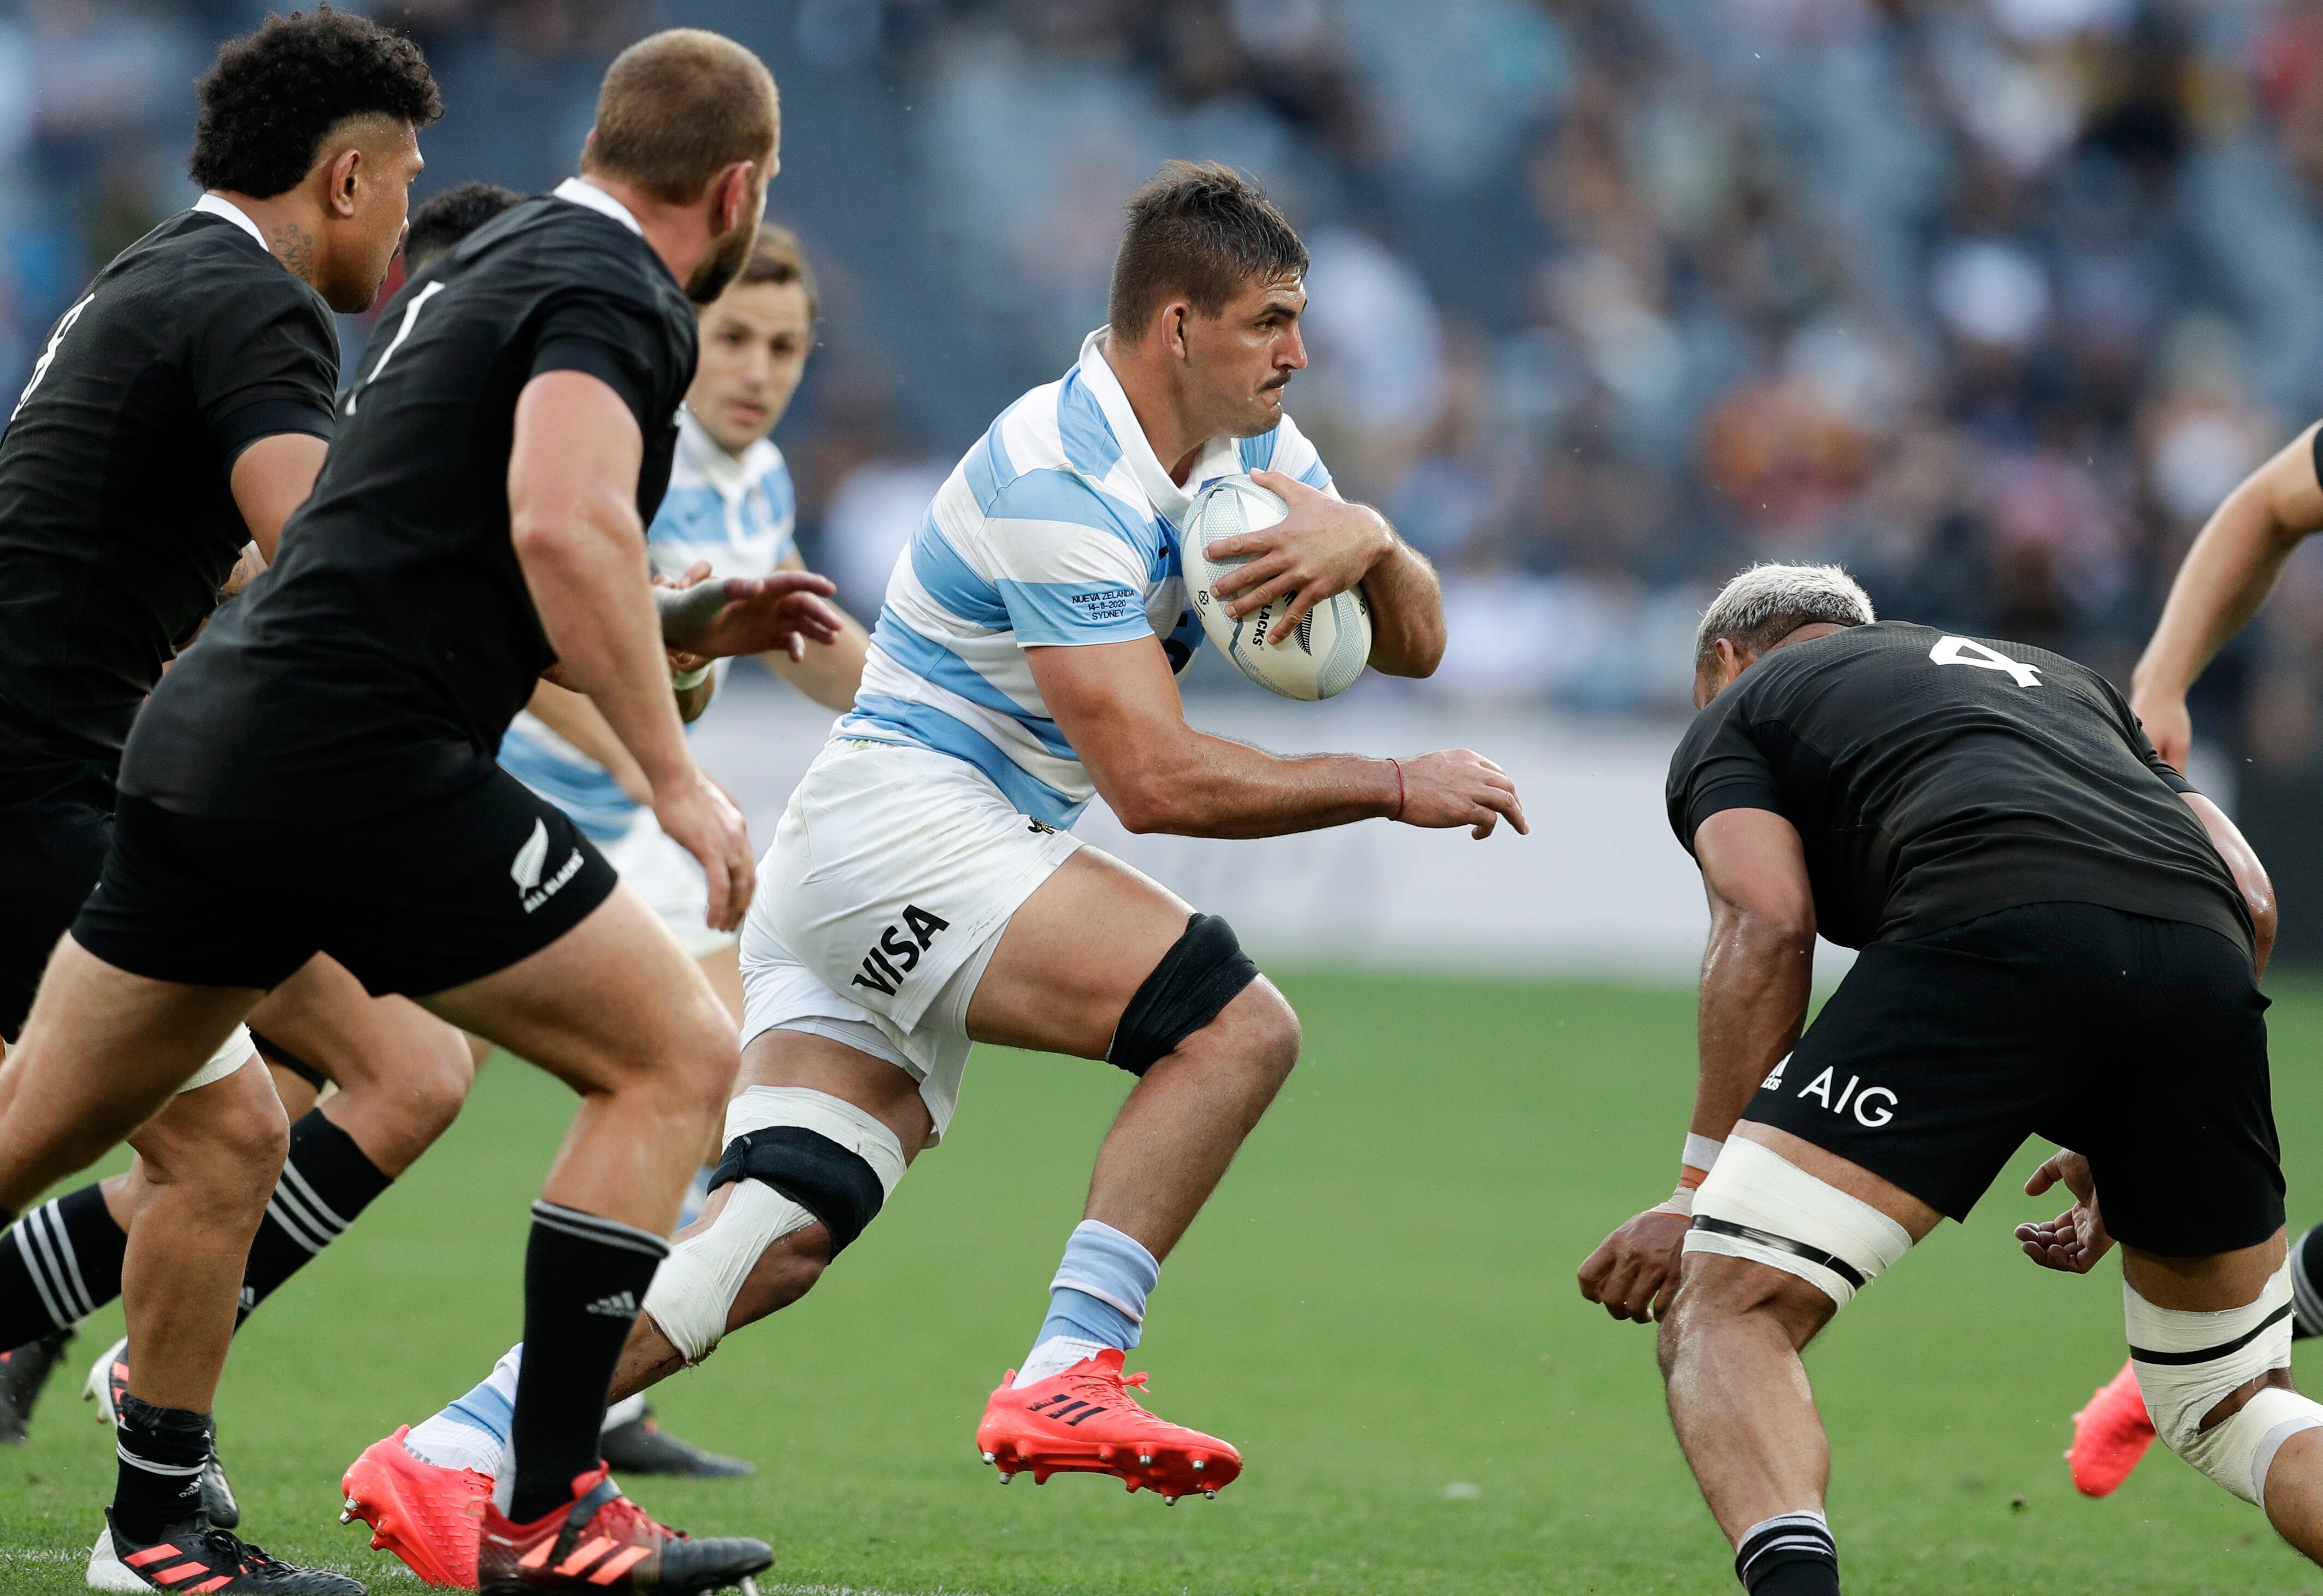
[529, 858]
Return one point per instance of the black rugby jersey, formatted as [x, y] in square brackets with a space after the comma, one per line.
[117, 522]
[1935, 778]
[380, 658]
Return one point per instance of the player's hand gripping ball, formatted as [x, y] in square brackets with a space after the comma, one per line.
[1326, 650]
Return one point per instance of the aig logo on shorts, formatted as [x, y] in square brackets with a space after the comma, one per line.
[1873, 1106]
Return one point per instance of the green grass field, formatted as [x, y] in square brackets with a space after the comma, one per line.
[1378, 1308]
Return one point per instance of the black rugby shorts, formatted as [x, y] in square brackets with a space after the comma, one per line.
[441, 892]
[2140, 1042]
[54, 827]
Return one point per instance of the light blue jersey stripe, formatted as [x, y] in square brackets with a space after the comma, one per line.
[950, 581]
[931, 728]
[1066, 613]
[923, 656]
[1258, 453]
[1061, 495]
[1088, 442]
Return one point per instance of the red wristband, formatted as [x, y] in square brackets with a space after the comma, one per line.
[1399, 789]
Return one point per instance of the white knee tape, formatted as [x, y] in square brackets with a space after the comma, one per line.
[1759, 1205]
[2186, 1365]
[693, 1290]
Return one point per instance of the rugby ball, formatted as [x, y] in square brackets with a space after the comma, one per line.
[1325, 653]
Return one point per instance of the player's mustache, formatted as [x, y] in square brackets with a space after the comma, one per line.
[1272, 383]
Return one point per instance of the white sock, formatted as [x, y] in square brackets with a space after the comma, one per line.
[1054, 1356]
[624, 1411]
[472, 1433]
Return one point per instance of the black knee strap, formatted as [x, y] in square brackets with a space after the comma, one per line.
[834, 1183]
[1204, 970]
[274, 1052]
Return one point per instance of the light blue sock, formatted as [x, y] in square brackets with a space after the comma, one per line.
[472, 1431]
[1097, 1300]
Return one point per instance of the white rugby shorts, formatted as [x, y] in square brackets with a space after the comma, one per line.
[233, 1053]
[657, 867]
[892, 873]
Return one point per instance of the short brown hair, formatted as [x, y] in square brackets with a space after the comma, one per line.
[1200, 229]
[677, 108]
[776, 258]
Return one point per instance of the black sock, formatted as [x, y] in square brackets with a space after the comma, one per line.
[162, 1452]
[2307, 1284]
[583, 1278]
[326, 1182]
[60, 1264]
[1791, 1555]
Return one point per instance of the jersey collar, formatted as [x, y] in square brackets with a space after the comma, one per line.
[731, 477]
[596, 200]
[210, 205]
[1145, 468]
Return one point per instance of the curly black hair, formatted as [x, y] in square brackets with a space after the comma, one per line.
[270, 98]
[449, 218]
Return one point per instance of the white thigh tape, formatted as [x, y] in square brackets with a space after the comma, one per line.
[693, 1291]
[761, 1108]
[1759, 1205]
[231, 1054]
[2186, 1365]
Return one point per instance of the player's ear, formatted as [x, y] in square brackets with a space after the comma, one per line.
[339, 190]
[730, 196]
[1175, 316]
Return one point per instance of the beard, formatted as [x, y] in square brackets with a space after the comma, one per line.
[726, 256]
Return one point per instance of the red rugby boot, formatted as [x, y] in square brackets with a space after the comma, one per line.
[427, 1516]
[602, 1541]
[2110, 1435]
[1084, 1420]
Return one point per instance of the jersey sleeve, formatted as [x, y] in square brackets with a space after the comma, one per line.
[269, 364]
[1719, 765]
[1287, 450]
[1067, 561]
[622, 340]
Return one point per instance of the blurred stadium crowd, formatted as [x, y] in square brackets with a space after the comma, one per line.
[1991, 299]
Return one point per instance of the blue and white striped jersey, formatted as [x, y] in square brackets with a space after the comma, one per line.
[1058, 527]
[739, 515]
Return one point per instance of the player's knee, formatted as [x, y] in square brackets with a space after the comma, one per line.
[797, 1161]
[1198, 981]
[2217, 1384]
[230, 1147]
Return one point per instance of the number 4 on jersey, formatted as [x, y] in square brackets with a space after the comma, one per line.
[1967, 651]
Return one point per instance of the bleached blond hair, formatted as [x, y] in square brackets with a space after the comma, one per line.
[1768, 603]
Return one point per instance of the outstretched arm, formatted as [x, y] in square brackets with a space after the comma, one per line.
[828, 673]
[1756, 973]
[2229, 573]
[1118, 705]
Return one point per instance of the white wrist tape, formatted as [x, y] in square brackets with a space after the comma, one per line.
[1702, 1152]
[1680, 1201]
[2187, 1363]
[687, 681]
